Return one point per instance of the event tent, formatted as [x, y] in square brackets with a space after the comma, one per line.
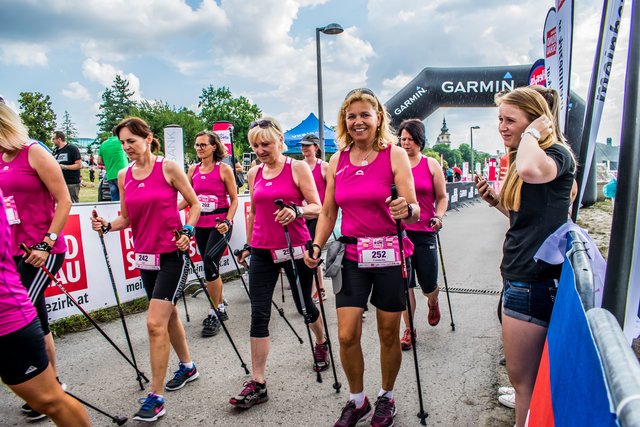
[309, 125]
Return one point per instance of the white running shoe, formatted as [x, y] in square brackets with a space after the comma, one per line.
[508, 400]
[506, 390]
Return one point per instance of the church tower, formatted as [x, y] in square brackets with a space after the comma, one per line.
[445, 136]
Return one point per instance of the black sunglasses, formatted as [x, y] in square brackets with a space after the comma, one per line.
[364, 90]
[262, 124]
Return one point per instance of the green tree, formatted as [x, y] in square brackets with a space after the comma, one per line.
[158, 115]
[217, 104]
[451, 156]
[116, 105]
[69, 128]
[37, 115]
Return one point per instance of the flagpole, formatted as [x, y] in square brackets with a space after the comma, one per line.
[623, 228]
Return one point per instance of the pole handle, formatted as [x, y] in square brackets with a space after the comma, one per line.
[94, 214]
[394, 192]
[25, 248]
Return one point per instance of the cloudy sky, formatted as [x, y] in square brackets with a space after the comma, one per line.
[265, 50]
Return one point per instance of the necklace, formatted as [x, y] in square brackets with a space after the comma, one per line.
[364, 161]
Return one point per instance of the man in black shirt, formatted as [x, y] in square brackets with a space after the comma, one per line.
[68, 157]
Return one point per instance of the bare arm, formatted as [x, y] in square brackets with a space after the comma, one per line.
[120, 222]
[532, 163]
[176, 177]
[403, 179]
[183, 203]
[230, 184]
[251, 175]
[304, 180]
[440, 189]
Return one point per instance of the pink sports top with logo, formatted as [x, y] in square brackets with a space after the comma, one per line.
[426, 195]
[152, 205]
[16, 310]
[32, 203]
[212, 194]
[361, 192]
[267, 233]
[321, 183]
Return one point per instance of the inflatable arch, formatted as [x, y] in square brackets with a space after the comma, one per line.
[433, 88]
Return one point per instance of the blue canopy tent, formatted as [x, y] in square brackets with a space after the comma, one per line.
[309, 125]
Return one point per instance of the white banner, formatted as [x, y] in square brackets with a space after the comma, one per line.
[564, 16]
[173, 144]
[84, 272]
[550, 45]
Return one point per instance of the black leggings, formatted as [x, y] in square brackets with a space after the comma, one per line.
[211, 245]
[263, 277]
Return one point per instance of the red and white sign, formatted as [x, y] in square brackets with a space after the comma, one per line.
[224, 130]
[72, 274]
[551, 42]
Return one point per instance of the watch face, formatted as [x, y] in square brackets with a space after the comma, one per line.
[52, 236]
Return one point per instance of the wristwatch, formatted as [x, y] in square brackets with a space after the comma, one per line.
[52, 236]
[533, 132]
[409, 211]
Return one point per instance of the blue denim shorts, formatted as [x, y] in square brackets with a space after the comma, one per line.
[529, 301]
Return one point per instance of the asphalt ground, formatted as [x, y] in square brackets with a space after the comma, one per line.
[459, 369]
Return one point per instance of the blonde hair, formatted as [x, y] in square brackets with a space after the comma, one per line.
[384, 133]
[13, 133]
[533, 104]
[272, 131]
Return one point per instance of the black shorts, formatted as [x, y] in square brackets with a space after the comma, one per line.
[529, 301]
[385, 285]
[311, 226]
[167, 283]
[424, 260]
[23, 354]
[36, 281]
[211, 245]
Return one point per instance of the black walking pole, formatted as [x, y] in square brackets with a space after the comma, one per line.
[282, 286]
[115, 294]
[184, 300]
[319, 288]
[203, 286]
[422, 414]
[444, 277]
[84, 312]
[303, 306]
[114, 419]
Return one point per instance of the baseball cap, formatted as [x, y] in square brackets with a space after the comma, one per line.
[310, 139]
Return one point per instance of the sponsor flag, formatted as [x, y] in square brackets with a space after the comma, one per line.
[173, 144]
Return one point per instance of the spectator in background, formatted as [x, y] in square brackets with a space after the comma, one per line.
[112, 156]
[68, 157]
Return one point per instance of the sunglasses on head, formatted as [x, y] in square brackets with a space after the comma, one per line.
[364, 90]
[262, 124]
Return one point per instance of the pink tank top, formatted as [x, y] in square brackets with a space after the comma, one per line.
[321, 183]
[267, 233]
[34, 203]
[426, 195]
[361, 192]
[152, 205]
[16, 310]
[212, 194]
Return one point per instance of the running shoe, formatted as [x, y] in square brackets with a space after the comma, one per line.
[506, 390]
[152, 408]
[508, 400]
[34, 415]
[181, 377]
[405, 341]
[252, 394]
[351, 415]
[222, 315]
[211, 326]
[321, 357]
[316, 300]
[434, 313]
[384, 413]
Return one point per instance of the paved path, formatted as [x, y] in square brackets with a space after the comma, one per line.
[458, 368]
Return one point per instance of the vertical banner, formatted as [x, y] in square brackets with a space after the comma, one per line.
[537, 75]
[224, 129]
[173, 144]
[564, 17]
[550, 46]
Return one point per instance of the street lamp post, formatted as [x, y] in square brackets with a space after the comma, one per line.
[331, 29]
[473, 166]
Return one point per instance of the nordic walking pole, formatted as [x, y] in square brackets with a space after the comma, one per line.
[203, 286]
[319, 288]
[422, 414]
[280, 311]
[282, 286]
[114, 419]
[115, 294]
[84, 312]
[446, 286]
[305, 315]
[184, 300]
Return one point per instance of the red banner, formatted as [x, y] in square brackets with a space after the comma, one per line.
[72, 275]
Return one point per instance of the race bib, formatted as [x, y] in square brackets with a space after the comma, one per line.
[11, 210]
[283, 255]
[377, 252]
[208, 203]
[148, 261]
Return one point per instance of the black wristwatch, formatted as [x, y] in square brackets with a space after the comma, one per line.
[409, 211]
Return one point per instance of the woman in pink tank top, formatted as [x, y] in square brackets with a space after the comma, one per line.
[149, 189]
[311, 151]
[432, 197]
[215, 186]
[277, 177]
[359, 182]
[37, 202]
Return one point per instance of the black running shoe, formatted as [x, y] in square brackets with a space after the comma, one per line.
[223, 316]
[34, 415]
[351, 415]
[181, 377]
[385, 412]
[252, 394]
[321, 356]
[211, 326]
[152, 408]
[26, 408]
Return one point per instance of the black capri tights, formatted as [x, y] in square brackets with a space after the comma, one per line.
[211, 245]
[263, 277]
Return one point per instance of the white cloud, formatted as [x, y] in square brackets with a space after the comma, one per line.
[75, 90]
[106, 73]
[26, 54]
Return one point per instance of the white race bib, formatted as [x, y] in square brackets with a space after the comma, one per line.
[11, 210]
[283, 255]
[208, 203]
[148, 261]
[377, 252]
